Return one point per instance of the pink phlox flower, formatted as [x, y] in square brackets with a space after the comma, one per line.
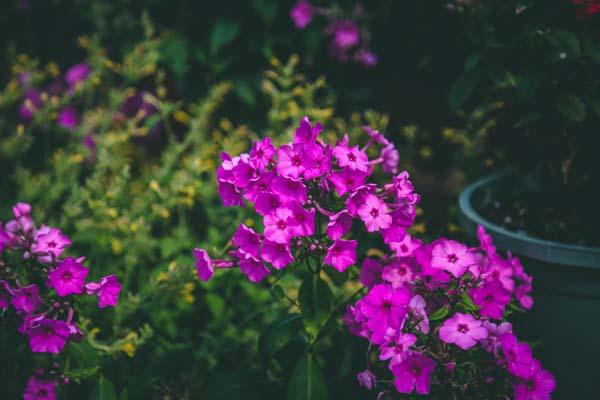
[345, 35]
[259, 185]
[406, 246]
[280, 226]
[370, 273]
[68, 118]
[262, 153]
[204, 267]
[385, 307]
[356, 322]
[491, 344]
[77, 73]
[302, 13]
[39, 389]
[290, 189]
[278, 254]
[375, 214]
[491, 298]
[399, 272]
[351, 157]
[304, 220]
[291, 160]
[49, 244]
[317, 161]
[247, 240]
[252, 267]
[518, 356]
[267, 202]
[243, 174]
[462, 330]
[306, 133]
[68, 278]
[417, 309]
[537, 386]
[26, 299]
[367, 379]
[347, 180]
[107, 289]
[357, 197]
[452, 256]
[498, 269]
[48, 336]
[391, 158]
[485, 241]
[341, 254]
[396, 346]
[414, 373]
[339, 224]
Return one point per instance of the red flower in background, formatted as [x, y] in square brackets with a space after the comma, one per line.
[585, 8]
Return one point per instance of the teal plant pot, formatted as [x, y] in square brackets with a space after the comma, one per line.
[565, 319]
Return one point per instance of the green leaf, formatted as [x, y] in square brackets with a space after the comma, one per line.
[215, 304]
[277, 292]
[174, 52]
[463, 88]
[278, 334]
[244, 91]
[472, 61]
[572, 108]
[267, 10]
[104, 390]
[82, 373]
[307, 382]
[316, 302]
[223, 33]
[565, 42]
[502, 77]
[467, 302]
[83, 355]
[438, 314]
[591, 49]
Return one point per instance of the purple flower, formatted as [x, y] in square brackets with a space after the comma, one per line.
[247, 240]
[370, 273]
[261, 184]
[291, 160]
[518, 356]
[266, 203]
[417, 307]
[262, 153]
[306, 133]
[406, 246]
[399, 272]
[290, 189]
[68, 278]
[243, 174]
[491, 298]
[396, 346]
[341, 254]
[302, 13]
[280, 225]
[339, 224]
[391, 158]
[254, 269]
[491, 344]
[26, 299]
[537, 386]
[385, 307]
[463, 330]
[414, 373]
[347, 180]
[107, 290]
[31, 104]
[278, 254]
[48, 336]
[304, 220]
[49, 244]
[39, 389]
[68, 118]
[374, 213]
[485, 241]
[230, 196]
[452, 256]
[366, 379]
[351, 157]
[345, 34]
[367, 58]
[77, 73]
[204, 267]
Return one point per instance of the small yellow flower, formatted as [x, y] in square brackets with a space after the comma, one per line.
[128, 348]
[117, 246]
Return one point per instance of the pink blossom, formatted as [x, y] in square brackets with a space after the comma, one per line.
[417, 307]
[370, 273]
[485, 241]
[304, 220]
[414, 373]
[367, 379]
[339, 224]
[230, 195]
[399, 272]
[262, 153]
[68, 118]
[107, 289]
[280, 225]
[26, 299]
[518, 356]
[39, 389]
[243, 174]
[537, 386]
[341, 254]
[302, 13]
[204, 267]
[68, 278]
[396, 346]
[491, 344]
[374, 213]
[406, 246]
[253, 268]
[267, 203]
[49, 244]
[391, 158]
[317, 161]
[247, 240]
[291, 161]
[385, 307]
[463, 330]
[491, 298]
[452, 256]
[77, 73]
[351, 157]
[347, 180]
[260, 184]
[306, 133]
[278, 254]
[345, 34]
[290, 189]
[48, 336]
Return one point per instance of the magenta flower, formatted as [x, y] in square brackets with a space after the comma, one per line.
[302, 14]
[49, 244]
[491, 344]
[280, 225]
[414, 373]
[518, 356]
[267, 203]
[417, 309]
[367, 58]
[230, 195]
[304, 220]
[452, 256]
[254, 269]
[491, 298]
[485, 241]
[262, 153]
[48, 336]
[247, 240]
[463, 330]
[374, 213]
[339, 224]
[385, 307]
[345, 34]
[537, 386]
[26, 299]
[317, 161]
[370, 273]
[107, 290]
[68, 278]
[390, 159]
[341, 254]
[406, 246]
[347, 180]
[243, 174]
[259, 185]
[290, 189]
[77, 73]
[39, 389]
[291, 161]
[396, 346]
[68, 118]
[306, 133]
[351, 157]
[31, 104]
[204, 267]
[399, 272]
[278, 254]
[367, 379]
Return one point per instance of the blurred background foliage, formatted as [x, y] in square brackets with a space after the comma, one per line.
[173, 84]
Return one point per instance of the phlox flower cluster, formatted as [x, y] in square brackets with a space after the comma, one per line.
[39, 287]
[309, 194]
[347, 40]
[434, 309]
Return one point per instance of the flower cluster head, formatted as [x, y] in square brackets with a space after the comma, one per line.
[434, 308]
[309, 193]
[42, 286]
[586, 8]
[347, 40]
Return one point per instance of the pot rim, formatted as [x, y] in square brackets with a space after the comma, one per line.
[521, 244]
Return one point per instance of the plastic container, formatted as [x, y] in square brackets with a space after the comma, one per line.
[565, 318]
